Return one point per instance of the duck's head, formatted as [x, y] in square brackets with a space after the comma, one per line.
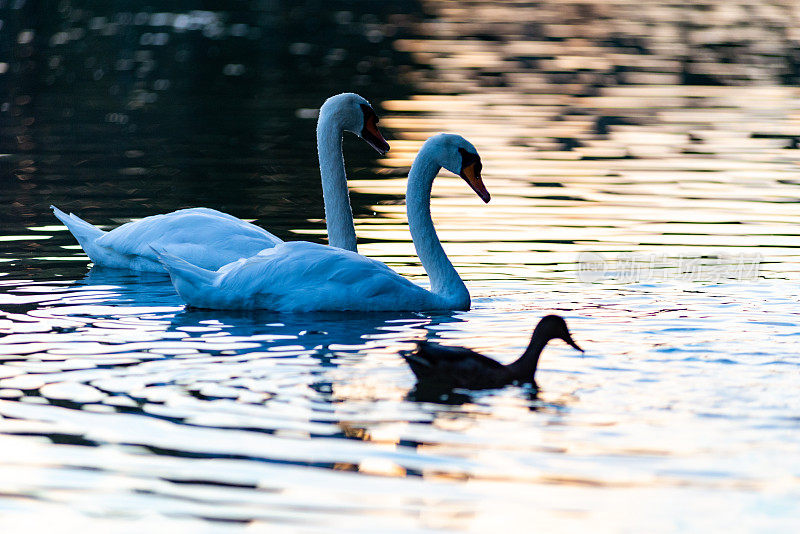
[458, 156]
[555, 327]
[355, 115]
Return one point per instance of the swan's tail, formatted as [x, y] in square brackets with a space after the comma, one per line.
[85, 233]
[182, 272]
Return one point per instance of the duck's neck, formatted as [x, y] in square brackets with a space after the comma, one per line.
[445, 282]
[338, 214]
[525, 367]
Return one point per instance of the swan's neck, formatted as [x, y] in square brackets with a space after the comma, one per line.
[338, 214]
[445, 282]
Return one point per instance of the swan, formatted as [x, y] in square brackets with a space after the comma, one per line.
[441, 367]
[299, 276]
[210, 238]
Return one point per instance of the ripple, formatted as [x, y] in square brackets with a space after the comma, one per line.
[659, 138]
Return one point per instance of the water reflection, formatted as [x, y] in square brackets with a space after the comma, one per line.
[121, 409]
[439, 395]
[116, 289]
[151, 111]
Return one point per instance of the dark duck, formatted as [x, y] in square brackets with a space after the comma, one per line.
[460, 368]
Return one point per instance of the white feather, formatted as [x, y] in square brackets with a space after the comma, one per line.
[209, 238]
[300, 276]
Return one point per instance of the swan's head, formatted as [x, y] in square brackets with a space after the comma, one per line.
[458, 156]
[354, 114]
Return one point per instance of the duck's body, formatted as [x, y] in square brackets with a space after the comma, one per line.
[460, 368]
[302, 276]
[457, 367]
[209, 238]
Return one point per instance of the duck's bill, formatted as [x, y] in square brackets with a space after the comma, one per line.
[370, 132]
[472, 175]
[571, 343]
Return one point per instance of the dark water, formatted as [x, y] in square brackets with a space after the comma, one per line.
[642, 160]
[142, 112]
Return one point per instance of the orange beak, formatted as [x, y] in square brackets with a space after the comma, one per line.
[471, 174]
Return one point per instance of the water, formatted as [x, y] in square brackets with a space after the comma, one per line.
[121, 409]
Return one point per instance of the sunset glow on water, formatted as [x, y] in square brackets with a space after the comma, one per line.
[644, 182]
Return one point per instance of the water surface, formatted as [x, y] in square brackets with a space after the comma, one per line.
[119, 408]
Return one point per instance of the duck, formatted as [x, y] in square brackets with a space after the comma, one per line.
[300, 276]
[211, 238]
[445, 368]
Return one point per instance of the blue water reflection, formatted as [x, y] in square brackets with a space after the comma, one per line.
[660, 139]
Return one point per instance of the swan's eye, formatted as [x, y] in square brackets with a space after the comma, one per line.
[470, 159]
[471, 173]
[370, 132]
[369, 114]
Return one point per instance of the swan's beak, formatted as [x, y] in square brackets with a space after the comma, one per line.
[471, 174]
[370, 132]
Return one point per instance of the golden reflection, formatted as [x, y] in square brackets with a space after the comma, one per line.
[606, 126]
[373, 466]
[657, 176]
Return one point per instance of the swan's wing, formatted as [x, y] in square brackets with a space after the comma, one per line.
[303, 276]
[202, 236]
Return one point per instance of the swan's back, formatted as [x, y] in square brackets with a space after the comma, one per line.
[205, 237]
[300, 276]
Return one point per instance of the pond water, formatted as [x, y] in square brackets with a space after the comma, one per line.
[643, 186]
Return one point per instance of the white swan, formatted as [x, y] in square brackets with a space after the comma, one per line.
[301, 276]
[210, 238]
